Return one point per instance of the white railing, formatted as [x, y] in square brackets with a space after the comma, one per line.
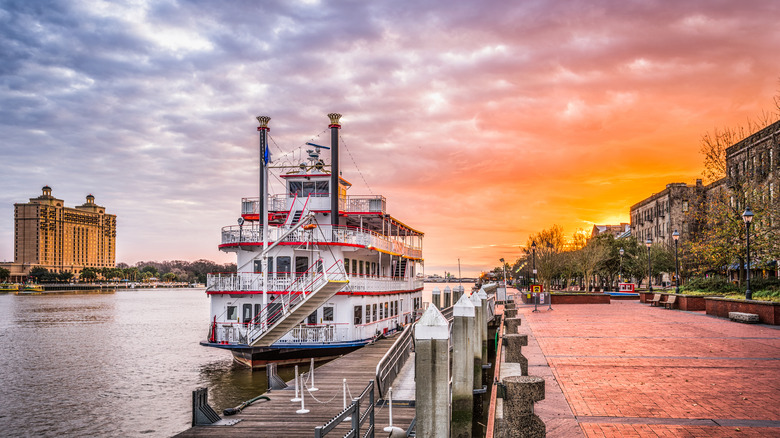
[235, 234]
[277, 281]
[352, 204]
[373, 284]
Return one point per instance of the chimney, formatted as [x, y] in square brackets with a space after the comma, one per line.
[334, 126]
[262, 202]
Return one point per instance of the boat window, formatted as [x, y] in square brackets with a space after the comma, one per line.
[368, 313]
[312, 320]
[396, 308]
[232, 314]
[387, 310]
[319, 265]
[296, 188]
[361, 268]
[381, 313]
[374, 312]
[259, 266]
[346, 265]
[358, 315]
[258, 308]
[373, 268]
[322, 188]
[308, 189]
[301, 265]
[354, 267]
[274, 312]
[283, 267]
[247, 313]
[327, 314]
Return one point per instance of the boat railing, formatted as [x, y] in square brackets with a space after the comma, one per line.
[352, 203]
[236, 234]
[379, 284]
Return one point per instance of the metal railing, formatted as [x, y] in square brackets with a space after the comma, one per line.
[351, 204]
[358, 419]
[391, 363]
[235, 234]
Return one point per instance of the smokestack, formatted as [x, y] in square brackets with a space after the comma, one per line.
[263, 129]
[334, 126]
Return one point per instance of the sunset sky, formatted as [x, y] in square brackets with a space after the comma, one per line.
[480, 121]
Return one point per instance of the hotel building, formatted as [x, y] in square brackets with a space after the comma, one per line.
[63, 239]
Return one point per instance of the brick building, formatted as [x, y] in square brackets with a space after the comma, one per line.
[659, 215]
[62, 239]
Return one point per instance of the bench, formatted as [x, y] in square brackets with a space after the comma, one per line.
[748, 318]
[670, 300]
[656, 300]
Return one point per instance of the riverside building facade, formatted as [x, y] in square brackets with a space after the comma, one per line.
[62, 239]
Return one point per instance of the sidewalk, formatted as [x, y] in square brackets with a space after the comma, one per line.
[630, 370]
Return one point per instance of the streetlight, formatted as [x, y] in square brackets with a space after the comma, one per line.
[676, 237]
[533, 249]
[747, 216]
[503, 265]
[649, 266]
[620, 276]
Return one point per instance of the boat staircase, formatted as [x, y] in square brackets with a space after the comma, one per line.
[298, 209]
[400, 269]
[308, 292]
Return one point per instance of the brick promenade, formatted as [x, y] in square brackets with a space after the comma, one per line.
[630, 370]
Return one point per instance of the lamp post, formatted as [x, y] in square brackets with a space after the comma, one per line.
[620, 276]
[649, 265]
[503, 265]
[747, 216]
[533, 250]
[676, 237]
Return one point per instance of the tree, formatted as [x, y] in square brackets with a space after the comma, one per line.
[549, 244]
[169, 277]
[720, 240]
[88, 274]
[38, 274]
[4, 274]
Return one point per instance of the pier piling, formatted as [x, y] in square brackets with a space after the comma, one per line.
[462, 374]
[431, 363]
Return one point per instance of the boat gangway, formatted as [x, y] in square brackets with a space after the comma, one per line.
[277, 416]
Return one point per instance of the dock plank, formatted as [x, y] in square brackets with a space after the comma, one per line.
[277, 417]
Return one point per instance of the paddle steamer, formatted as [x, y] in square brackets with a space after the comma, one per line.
[319, 272]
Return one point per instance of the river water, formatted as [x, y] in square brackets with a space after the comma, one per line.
[114, 364]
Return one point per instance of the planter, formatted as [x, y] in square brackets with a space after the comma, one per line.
[768, 312]
[594, 298]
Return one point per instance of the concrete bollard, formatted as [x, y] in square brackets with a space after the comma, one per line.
[477, 336]
[462, 375]
[520, 394]
[436, 297]
[510, 313]
[511, 325]
[514, 344]
[484, 327]
[447, 295]
[432, 366]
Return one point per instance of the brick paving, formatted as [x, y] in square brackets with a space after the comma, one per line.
[630, 370]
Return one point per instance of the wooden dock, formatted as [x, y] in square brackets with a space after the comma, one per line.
[278, 416]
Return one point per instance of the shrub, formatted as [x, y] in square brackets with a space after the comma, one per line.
[712, 284]
[765, 284]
